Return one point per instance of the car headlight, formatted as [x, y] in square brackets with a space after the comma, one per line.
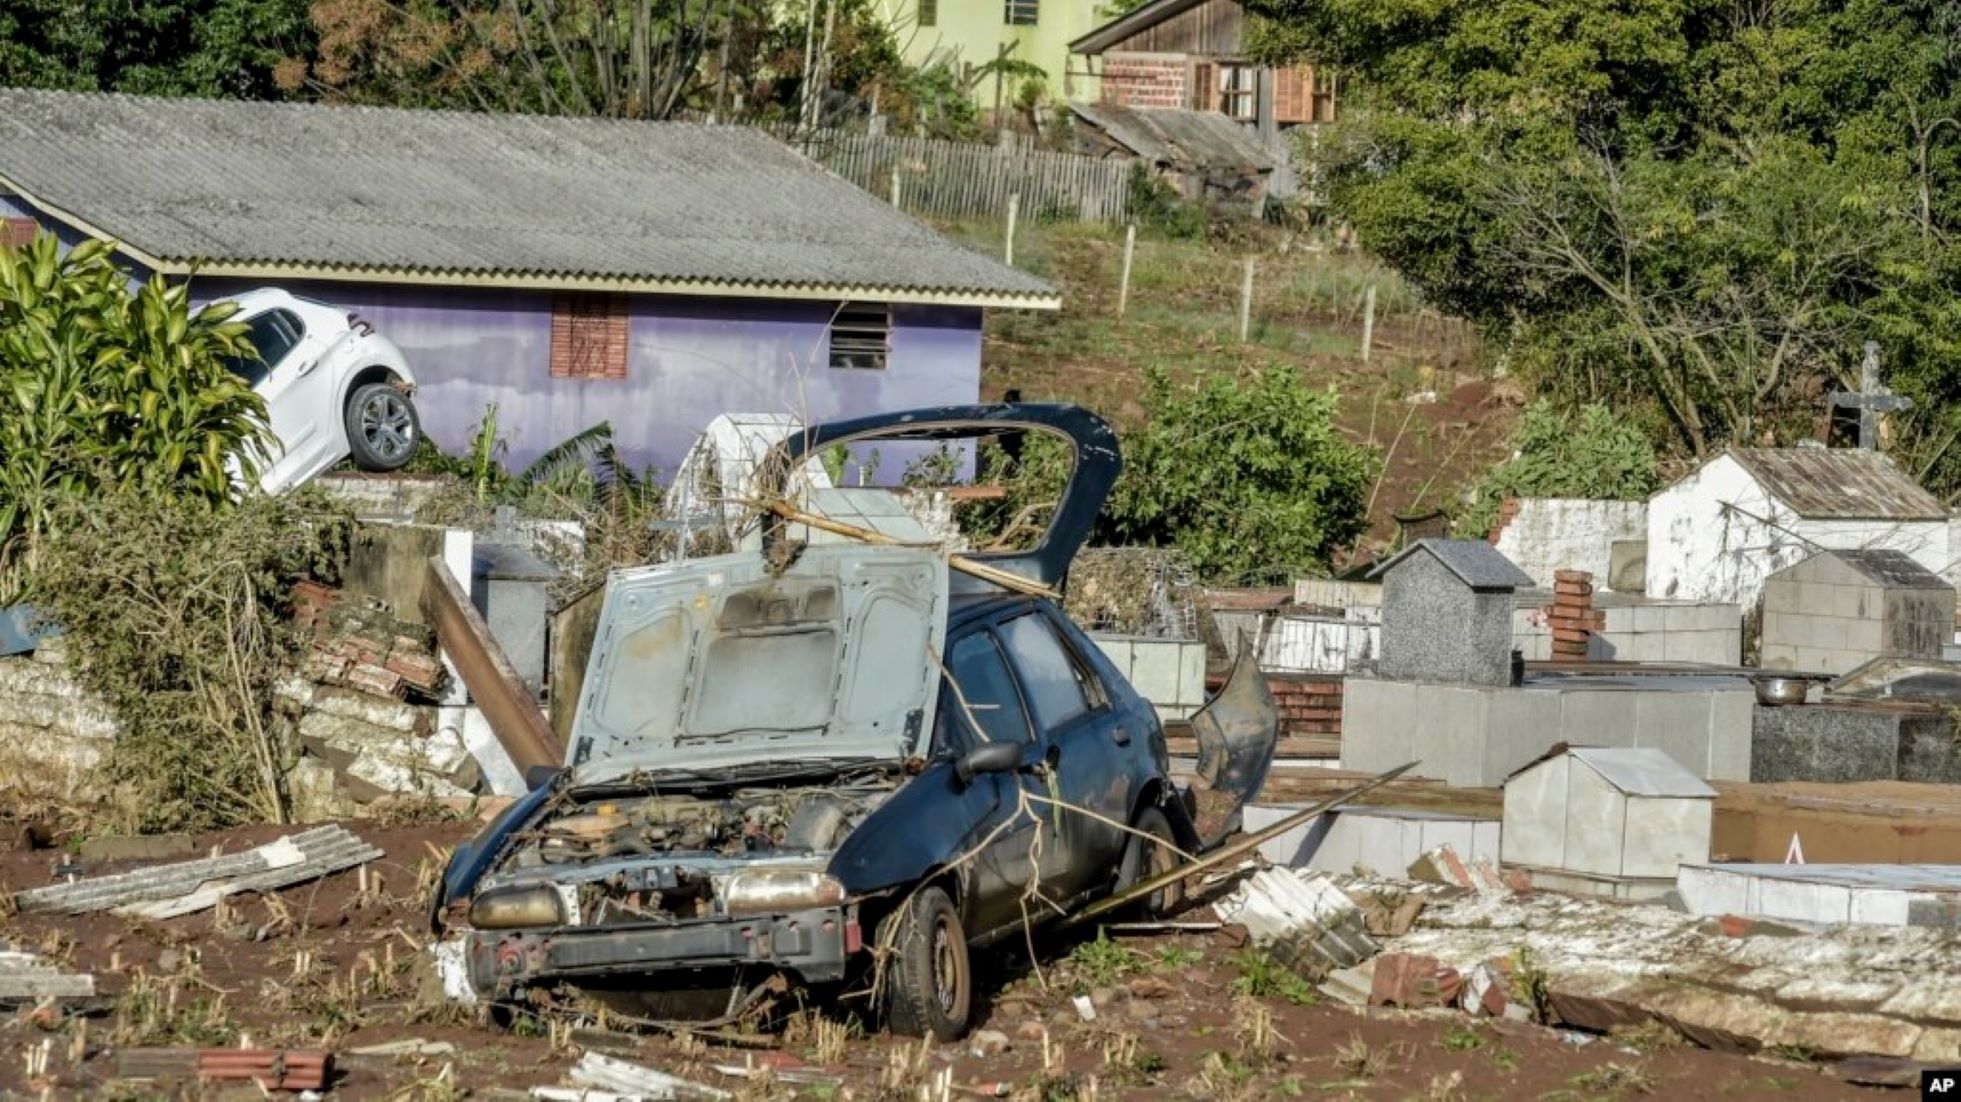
[506, 908]
[771, 890]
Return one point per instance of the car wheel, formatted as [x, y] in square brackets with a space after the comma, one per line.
[1148, 852]
[382, 429]
[929, 982]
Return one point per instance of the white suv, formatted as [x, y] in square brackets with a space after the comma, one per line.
[333, 388]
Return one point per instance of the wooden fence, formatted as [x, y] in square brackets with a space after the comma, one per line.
[942, 179]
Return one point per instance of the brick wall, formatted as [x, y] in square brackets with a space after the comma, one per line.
[1308, 705]
[1145, 80]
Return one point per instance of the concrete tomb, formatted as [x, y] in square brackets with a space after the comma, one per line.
[1617, 823]
[1838, 610]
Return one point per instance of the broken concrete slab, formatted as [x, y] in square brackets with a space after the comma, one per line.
[1413, 982]
[28, 978]
[1843, 992]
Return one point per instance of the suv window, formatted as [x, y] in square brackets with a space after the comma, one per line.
[273, 336]
[1059, 687]
[981, 673]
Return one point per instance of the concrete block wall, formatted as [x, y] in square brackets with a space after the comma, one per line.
[1170, 673]
[1476, 736]
[48, 722]
[1820, 627]
[1379, 841]
[1690, 633]
[1543, 535]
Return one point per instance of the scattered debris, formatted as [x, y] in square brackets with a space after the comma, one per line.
[1302, 918]
[1085, 1007]
[1443, 866]
[596, 1077]
[1413, 982]
[185, 887]
[271, 1069]
[412, 1046]
[28, 978]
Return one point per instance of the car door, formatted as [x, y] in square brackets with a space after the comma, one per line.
[1081, 746]
[299, 399]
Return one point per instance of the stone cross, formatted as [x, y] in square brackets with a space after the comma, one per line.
[1871, 399]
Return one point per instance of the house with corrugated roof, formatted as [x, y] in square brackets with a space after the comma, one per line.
[1746, 514]
[568, 271]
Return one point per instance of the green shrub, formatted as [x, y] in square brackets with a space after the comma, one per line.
[1595, 454]
[175, 613]
[102, 387]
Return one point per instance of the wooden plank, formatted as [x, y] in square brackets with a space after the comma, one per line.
[514, 716]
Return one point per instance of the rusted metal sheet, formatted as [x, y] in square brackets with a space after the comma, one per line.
[515, 718]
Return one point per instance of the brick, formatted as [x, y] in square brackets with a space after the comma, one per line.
[1583, 576]
[376, 680]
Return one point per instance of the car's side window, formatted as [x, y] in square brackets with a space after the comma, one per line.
[1059, 687]
[273, 335]
[988, 691]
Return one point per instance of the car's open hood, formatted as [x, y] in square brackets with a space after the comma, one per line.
[1090, 439]
[725, 661]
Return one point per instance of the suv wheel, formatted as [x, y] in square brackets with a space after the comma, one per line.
[382, 429]
[929, 981]
[1150, 851]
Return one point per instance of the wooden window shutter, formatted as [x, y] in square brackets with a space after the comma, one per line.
[589, 335]
[17, 232]
[1205, 95]
[1293, 94]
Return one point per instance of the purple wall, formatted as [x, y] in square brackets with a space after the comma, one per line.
[690, 359]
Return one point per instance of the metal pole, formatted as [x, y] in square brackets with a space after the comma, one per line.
[1868, 388]
[1123, 287]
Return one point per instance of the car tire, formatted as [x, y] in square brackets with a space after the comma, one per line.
[1150, 850]
[382, 428]
[929, 980]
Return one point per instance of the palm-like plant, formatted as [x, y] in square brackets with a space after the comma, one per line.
[104, 386]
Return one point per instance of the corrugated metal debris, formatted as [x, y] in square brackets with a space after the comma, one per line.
[1302, 918]
[598, 1078]
[184, 887]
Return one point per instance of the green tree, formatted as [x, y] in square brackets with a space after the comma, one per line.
[1693, 205]
[1249, 478]
[103, 386]
[224, 48]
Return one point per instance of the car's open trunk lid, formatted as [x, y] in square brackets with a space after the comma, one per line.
[725, 660]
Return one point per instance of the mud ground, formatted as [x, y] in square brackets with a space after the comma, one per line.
[1178, 1015]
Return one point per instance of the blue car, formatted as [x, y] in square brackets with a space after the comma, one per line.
[843, 766]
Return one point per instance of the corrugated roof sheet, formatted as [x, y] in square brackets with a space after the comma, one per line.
[1893, 569]
[1475, 562]
[1642, 771]
[1123, 26]
[460, 197]
[1168, 135]
[1839, 484]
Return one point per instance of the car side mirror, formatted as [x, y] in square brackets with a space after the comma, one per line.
[989, 757]
[539, 776]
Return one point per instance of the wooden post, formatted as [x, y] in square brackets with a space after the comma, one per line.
[898, 196]
[1014, 212]
[1123, 286]
[1246, 302]
[1368, 322]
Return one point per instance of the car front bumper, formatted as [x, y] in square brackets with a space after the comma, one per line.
[814, 944]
